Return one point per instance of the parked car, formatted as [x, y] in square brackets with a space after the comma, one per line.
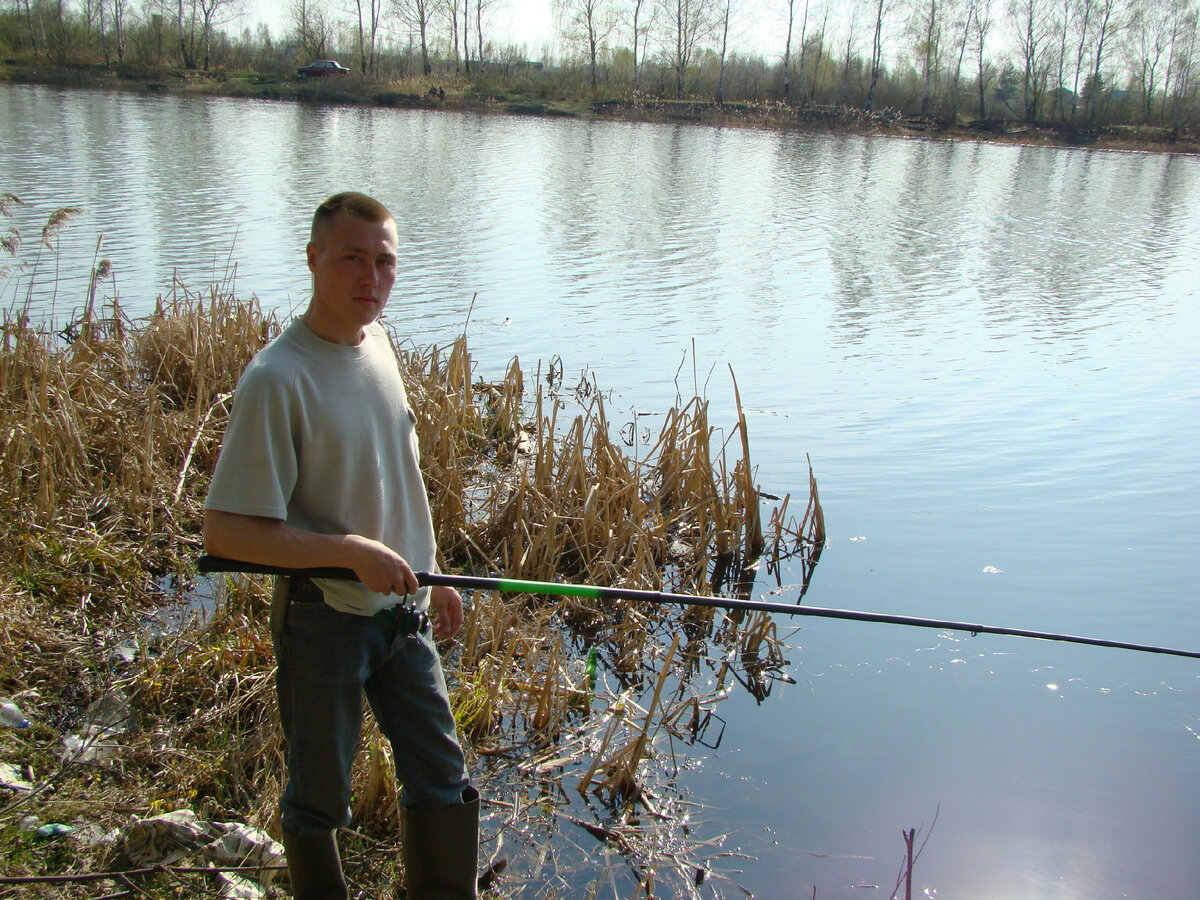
[322, 67]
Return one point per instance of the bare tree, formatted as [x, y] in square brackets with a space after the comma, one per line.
[686, 23]
[1028, 18]
[1105, 11]
[449, 13]
[368, 18]
[312, 28]
[983, 25]
[587, 24]
[968, 16]
[466, 46]
[925, 27]
[787, 48]
[724, 13]
[1061, 27]
[25, 7]
[1184, 45]
[1081, 24]
[1181, 47]
[119, 9]
[641, 20]
[849, 57]
[417, 16]
[480, 7]
[881, 10]
[818, 42]
[196, 20]
[1150, 34]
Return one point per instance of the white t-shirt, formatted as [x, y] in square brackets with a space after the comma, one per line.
[321, 436]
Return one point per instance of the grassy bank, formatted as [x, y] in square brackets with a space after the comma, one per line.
[526, 96]
[109, 433]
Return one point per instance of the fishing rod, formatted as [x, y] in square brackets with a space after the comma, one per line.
[214, 564]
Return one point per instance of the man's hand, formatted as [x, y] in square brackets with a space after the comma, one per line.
[447, 606]
[381, 569]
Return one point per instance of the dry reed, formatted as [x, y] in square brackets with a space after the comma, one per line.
[106, 447]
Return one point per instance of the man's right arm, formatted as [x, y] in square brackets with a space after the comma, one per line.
[273, 542]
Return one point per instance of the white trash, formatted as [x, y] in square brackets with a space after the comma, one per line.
[11, 715]
[235, 887]
[13, 778]
[171, 837]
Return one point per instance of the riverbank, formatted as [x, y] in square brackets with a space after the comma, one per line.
[529, 99]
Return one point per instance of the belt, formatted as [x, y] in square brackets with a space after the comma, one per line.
[402, 617]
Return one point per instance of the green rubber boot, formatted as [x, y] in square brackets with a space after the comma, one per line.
[314, 866]
[441, 850]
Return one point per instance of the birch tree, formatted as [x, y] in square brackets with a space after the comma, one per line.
[881, 10]
[818, 43]
[1081, 24]
[449, 13]
[790, 11]
[1184, 47]
[724, 14]
[925, 27]
[641, 20]
[1180, 54]
[368, 17]
[1105, 13]
[1028, 18]
[968, 14]
[196, 21]
[983, 26]
[417, 16]
[311, 28]
[587, 24]
[686, 25]
[1150, 36]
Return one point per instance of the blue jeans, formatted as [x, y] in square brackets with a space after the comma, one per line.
[326, 661]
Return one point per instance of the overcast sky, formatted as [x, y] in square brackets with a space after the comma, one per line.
[530, 23]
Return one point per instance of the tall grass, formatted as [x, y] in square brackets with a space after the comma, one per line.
[107, 441]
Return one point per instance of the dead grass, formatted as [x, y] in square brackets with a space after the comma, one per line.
[107, 439]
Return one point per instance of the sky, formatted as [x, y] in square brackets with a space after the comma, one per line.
[528, 22]
[531, 23]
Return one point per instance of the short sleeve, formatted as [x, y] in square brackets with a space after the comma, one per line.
[256, 469]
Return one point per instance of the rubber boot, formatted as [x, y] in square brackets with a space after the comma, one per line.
[315, 867]
[441, 850]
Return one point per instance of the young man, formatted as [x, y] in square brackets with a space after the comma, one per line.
[319, 467]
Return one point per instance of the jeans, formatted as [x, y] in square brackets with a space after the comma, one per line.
[326, 661]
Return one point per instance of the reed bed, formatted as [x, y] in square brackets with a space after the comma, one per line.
[109, 434]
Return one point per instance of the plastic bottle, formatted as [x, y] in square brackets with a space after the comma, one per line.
[11, 715]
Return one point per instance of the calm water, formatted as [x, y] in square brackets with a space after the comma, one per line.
[992, 355]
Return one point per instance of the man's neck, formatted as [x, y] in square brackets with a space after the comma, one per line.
[330, 331]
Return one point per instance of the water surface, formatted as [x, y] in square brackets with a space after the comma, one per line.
[989, 352]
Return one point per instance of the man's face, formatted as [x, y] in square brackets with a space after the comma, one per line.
[353, 263]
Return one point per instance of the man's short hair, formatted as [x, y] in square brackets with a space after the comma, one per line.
[358, 205]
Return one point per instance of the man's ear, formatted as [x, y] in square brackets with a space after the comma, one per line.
[310, 253]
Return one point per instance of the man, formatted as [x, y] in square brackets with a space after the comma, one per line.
[319, 467]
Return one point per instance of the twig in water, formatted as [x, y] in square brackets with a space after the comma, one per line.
[906, 867]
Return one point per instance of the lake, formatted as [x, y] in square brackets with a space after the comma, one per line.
[990, 353]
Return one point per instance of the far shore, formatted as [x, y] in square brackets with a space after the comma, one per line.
[451, 94]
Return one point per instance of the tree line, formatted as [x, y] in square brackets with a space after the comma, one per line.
[1081, 63]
